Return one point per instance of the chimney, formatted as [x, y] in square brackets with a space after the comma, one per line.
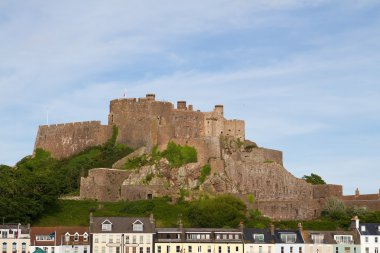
[299, 226]
[271, 228]
[241, 226]
[181, 105]
[190, 107]
[354, 223]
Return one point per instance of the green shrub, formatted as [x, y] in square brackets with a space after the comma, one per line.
[205, 171]
[178, 155]
[136, 162]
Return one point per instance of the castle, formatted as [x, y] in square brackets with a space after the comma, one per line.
[236, 166]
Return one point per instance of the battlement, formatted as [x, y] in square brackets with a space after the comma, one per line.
[80, 123]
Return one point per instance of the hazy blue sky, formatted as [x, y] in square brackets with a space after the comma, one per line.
[304, 75]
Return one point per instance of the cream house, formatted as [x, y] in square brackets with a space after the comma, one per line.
[14, 238]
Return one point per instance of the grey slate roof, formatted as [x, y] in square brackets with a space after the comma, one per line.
[370, 228]
[249, 232]
[329, 236]
[121, 225]
[24, 229]
[277, 235]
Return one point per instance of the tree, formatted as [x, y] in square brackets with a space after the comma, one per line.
[314, 179]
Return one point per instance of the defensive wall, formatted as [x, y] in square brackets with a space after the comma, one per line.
[144, 122]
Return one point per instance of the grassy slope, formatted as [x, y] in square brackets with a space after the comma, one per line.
[76, 213]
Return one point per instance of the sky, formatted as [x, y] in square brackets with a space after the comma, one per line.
[304, 75]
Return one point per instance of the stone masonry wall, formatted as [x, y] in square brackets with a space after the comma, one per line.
[63, 140]
[103, 184]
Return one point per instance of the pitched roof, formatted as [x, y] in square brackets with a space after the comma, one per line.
[59, 235]
[24, 229]
[370, 228]
[250, 232]
[328, 236]
[278, 233]
[121, 225]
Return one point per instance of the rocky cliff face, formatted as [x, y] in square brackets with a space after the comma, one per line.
[243, 169]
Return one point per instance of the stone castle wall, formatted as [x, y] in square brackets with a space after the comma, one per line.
[142, 122]
[63, 140]
[103, 184]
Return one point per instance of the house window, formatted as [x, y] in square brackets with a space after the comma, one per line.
[177, 249]
[354, 249]
[110, 239]
[52, 250]
[220, 249]
[343, 239]
[117, 239]
[237, 248]
[376, 250]
[167, 249]
[291, 249]
[110, 249]
[209, 249]
[96, 238]
[85, 237]
[158, 249]
[4, 247]
[300, 250]
[317, 238]
[127, 239]
[366, 250]
[288, 238]
[258, 237]
[282, 249]
[199, 249]
[190, 249]
[103, 249]
[23, 247]
[376, 239]
[147, 249]
[14, 247]
[84, 249]
[67, 237]
[347, 249]
[117, 249]
[366, 239]
[147, 239]
[228, 249]
[138, 226]
[141, 239]
[103, 238]
[4, 234]
[46, 249]
[141, 250]
[269, 249]
[106, 227]
[336, 250]
[260, 249]
[76, 237]
[96, 249]
[76, 249]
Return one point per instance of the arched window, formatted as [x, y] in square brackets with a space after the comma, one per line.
[14, 247]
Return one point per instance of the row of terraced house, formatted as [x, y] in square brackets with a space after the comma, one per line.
[139, 235]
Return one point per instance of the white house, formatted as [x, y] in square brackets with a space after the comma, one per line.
[14, 238]
[369, 235]
[122, 234]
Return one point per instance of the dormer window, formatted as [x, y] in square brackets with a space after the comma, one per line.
[106, 225]
[76, 237]
[67, 237]
[288, 238]
[258, 237]
[343, 239]
[85, 237]
[363, 228]
[317, 238]
[138, 226]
